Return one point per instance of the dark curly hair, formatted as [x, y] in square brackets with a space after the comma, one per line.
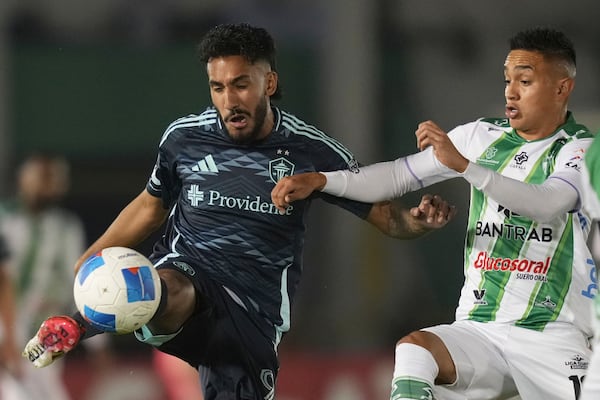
[242, 39]
[551, 43]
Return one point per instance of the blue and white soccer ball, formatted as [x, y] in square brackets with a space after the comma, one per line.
[117, 290]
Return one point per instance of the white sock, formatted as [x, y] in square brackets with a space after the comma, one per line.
[415, 371]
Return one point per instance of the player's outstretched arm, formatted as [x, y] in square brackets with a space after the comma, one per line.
[560, 195]
[394, 220]
[142, 216]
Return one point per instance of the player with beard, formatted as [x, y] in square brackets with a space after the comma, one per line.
[229, 260]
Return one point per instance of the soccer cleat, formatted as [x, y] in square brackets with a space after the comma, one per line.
[56, 336]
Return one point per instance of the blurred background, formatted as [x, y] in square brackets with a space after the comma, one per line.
[99, 81]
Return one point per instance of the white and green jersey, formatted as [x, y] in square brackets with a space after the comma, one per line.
[526, 261]
[518, 270]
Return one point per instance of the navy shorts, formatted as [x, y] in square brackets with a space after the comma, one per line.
[228, 344]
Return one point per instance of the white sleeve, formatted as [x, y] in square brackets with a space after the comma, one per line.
[388, 180]
[560, 192]
[559, 196]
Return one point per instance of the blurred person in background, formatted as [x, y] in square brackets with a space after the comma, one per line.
[10, 363]
[229, 262]
[591, 201]
[524, 306]
[44, 240]
[9, 356]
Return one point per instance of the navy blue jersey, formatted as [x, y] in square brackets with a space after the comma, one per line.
[221, 214]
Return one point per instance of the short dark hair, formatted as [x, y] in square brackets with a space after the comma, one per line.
[241, 39]
[550, 42]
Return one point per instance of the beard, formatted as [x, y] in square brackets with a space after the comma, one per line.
[260, 115]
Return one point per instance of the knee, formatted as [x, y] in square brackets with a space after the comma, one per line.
[436, 347]
[420, 338]
[176, 283]
[180, 296]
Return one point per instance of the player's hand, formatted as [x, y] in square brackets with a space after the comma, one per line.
[56, 336]
[429, 134]
[296, 187]
[433, 212]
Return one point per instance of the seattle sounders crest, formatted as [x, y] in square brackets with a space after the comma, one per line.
[279, 168]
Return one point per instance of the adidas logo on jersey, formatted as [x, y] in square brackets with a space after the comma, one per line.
[207, 164]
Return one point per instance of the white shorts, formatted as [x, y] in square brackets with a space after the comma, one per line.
[591, 387]
[499, 361]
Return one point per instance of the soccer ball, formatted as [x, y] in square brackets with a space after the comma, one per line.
[117, 290]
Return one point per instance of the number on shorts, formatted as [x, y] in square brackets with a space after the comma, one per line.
[577, 382]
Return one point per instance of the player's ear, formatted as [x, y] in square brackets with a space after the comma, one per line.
[565, 87]
[271, 85]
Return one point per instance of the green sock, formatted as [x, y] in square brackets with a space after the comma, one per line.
[405, 387]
